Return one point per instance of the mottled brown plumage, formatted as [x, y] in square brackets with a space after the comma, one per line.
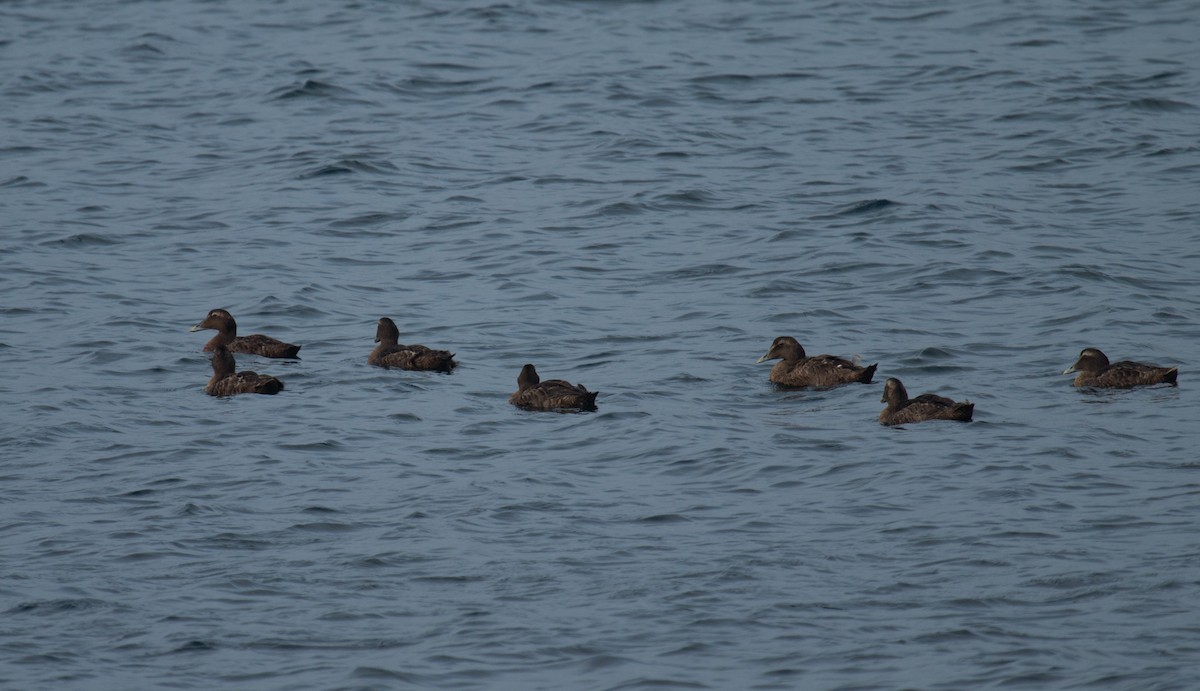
[226, 382]
[796, 369]
[254, 344]
[389, 352]
[902, 410]
[1094, 370]
[553, 394]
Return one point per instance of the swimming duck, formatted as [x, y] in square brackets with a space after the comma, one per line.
[389, 352]
[796, 369]
[554, 394]
[901, 410]
[254, 344]
[1094, 370]
[226, 382]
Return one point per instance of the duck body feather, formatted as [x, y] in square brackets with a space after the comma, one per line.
[1093, 369]
[391, 354]
[550, 395]
[254, 344]
[226, 382]
[796, 369]
[901, 410]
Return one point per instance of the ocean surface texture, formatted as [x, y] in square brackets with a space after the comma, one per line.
[638, 197]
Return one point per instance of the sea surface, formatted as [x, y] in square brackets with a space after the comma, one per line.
[636, 196]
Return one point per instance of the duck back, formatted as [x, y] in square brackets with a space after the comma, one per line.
[1127, 374]
[226, 382]
[390, 353]
[412, 357]
[552, 395]
[244, 382]
[821, 371]
[265, 346]
[928, 407]
[902, 410]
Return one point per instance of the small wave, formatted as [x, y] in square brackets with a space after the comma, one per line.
[313, 89]
[326, 445]
[196, 646]
[390, 675]
[347, 166]
[143, 50]
[919, 17]
[21, 181]
[324, 527]
[665, 518]
[430, 85]
[370, 219]
[65, 605]
[1160, 104]
[867, 206]
[703, 271]
[619, 209]
[83, 240]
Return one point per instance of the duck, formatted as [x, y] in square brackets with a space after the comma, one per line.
[796, 369]
[1094, 369]
[902, 410]
[227, 381]
[254, 344]
[389, 352]
[553, 394]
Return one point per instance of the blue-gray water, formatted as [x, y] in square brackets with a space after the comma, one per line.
[637, 196]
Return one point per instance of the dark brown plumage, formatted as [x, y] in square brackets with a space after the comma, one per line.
[796, 369]
[226, 382]
[254, 344]
[901, 410]
[389, 352]
[1094, 370]
[553, 394]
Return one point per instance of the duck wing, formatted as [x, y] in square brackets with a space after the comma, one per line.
[245, 382]
[822, 370]
[555, 394]
[415, 357]
[1126, 374]
[258, 344]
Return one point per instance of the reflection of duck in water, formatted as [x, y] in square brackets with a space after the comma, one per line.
[226, 382]
[553, 394]
[389, 352]
[902, 410]
[254, 344]
[796, 369]
[1094, 370]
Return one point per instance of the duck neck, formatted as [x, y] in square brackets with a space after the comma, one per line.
[224, 337]
[222, 363]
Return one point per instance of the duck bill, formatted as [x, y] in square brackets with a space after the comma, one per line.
[198, 327]
[762, 359]
[1070, 370]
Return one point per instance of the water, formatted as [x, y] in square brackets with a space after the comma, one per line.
[638, 197]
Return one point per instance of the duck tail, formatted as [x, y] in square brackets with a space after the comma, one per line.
[964, 411]
[868, 373]
[1171, 376]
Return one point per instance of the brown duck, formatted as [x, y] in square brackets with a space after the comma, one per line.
[1094, 370]
[902, 410]
[389, 352]
[796, 369]
[553, 394]
[254, 344]
[226, 381]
